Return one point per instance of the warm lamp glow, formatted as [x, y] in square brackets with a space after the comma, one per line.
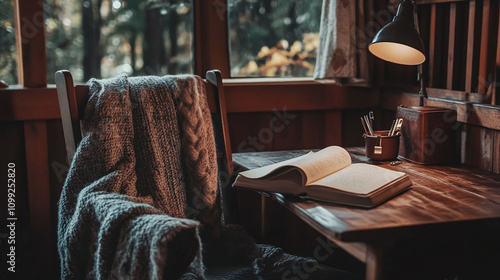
[397, 53]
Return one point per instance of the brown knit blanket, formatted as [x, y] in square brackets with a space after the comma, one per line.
[141, 194]
[124, 206]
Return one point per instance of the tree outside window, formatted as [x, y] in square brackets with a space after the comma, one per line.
[103, 38]
[273, 37]
[8, 54]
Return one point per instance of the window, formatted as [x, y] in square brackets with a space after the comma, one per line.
[109, 37]
[274, 38]
[8, 54]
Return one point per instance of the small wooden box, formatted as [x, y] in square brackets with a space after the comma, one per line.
[428, 134]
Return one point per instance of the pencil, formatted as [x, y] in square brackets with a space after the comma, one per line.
[364, 126]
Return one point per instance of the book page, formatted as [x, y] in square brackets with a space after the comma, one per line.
[323, 163]
[261, 172]
[360, 178]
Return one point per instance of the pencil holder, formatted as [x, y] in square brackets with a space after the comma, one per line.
[381, 146]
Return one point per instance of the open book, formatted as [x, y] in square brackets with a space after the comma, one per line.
[327, 175]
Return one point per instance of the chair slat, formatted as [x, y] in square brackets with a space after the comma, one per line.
[69, 113]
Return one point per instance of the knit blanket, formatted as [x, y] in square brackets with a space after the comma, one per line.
[141, 199]
[126, 210]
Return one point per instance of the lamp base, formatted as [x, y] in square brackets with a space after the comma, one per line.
[428, 134]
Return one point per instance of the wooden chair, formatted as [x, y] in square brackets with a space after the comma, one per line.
[72, 101]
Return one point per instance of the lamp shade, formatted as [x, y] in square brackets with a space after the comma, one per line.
[399, 41]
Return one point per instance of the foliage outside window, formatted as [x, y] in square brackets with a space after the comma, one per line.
[8, 54]
[103, 38]
[273, 37]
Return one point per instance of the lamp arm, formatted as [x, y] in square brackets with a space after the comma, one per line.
[422, 93]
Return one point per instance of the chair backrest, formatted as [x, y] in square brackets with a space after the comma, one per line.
[72, 101]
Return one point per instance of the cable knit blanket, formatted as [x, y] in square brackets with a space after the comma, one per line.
[142, 189]
[124, 204]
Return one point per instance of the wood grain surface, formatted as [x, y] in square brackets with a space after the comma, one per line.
[442, 199]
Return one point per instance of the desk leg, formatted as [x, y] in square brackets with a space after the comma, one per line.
[374, 262]
[263, 218]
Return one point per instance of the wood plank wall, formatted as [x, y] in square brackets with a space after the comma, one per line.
[297, 116]
[462, 68]
[468, 30]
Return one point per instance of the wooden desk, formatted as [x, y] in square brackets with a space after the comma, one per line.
[445, 203]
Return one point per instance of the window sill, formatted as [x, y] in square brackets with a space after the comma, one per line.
[268, 81]
[22, 103]
[268, 94]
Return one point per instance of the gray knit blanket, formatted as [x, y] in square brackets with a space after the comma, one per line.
[126, 210]
[141, 197]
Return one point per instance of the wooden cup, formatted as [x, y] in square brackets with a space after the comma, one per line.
[381, 146]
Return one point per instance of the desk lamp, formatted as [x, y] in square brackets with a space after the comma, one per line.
[427, 132]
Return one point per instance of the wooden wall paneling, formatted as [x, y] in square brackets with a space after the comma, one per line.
[424, 17]
[455, 95]
[401, 75]
[463, 142]
[493, 49]
[473, 38]
[368, 33]
[438, 41]
[289, 135]
[470, 45]
[37, 165]
[443, 30]
[420, 16]
[478, 114]
[58, 169]
[303, 131]
[58, 165]
[432, 46]
[312, 131]
[451, 45]
[332, 128]
[387, 116]
[250, 132]
[460, 49]
[384, 118]
[12, 150]
[472, 113]
[477, 147]
[496, 88]
[373, 27]
[30, 42]
[496, 151]
[352, 130]
[486, 64]
[361, 40]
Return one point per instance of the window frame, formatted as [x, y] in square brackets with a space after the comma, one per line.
[264, 94]
[211, 33]
[211, 51]
[30, 43]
